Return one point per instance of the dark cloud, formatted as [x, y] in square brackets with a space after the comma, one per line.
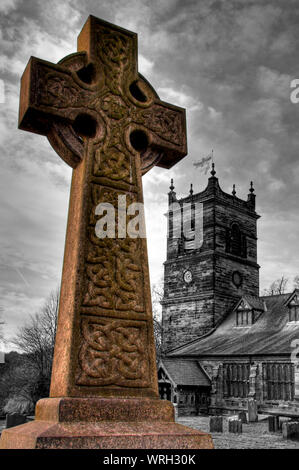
[229, 63]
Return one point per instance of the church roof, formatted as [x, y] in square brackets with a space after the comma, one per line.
[272, 333]
[257, 303]
[183, 372]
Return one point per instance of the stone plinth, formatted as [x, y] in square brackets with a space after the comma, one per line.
[104, 423]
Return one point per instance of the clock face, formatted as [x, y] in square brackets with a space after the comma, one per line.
[237, 278]
[187, 276]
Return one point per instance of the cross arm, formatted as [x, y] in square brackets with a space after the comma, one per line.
[47, 90]
[52, 98]
[164, 125]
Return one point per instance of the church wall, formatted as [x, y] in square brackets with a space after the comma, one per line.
[226, 293]
[187, 309]
[183, 322]
[257, 384]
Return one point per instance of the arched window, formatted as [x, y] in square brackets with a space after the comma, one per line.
[236, 241]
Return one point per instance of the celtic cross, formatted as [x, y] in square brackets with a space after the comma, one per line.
[107, 122]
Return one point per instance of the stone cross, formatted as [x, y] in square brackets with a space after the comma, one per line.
[107, 122]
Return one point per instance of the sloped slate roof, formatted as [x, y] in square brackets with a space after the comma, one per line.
[184, 372]
[255, 302]
[271, 334]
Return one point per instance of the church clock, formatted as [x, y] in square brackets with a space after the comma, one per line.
[188, 276]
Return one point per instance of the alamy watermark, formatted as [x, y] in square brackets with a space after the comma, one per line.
[2, 92]
[184, 221]
[294, 96]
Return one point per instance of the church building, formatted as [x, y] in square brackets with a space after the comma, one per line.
[222, 342]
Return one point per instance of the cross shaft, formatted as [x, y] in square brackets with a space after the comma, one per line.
[108, 123]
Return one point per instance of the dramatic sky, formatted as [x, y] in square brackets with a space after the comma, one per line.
[229, 63]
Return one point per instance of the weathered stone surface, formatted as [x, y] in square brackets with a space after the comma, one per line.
[235, 426]
[216, 424]
[283, 419]
[243, 417]
[103, 423]
[105, 435]
[98, 95]
[192, 309]
[290, 430]
[273, 423]
[252, 411]
[108, 123]
[71, 409]
[14, 419]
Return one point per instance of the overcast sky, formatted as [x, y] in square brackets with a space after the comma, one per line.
[229, 63]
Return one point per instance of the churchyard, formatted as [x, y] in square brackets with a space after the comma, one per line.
[254, 435]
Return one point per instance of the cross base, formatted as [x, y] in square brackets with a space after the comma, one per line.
[104, 423]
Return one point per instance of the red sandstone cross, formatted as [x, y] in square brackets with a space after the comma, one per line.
[106, 121]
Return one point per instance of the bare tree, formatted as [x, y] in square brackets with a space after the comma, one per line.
[1, 326]
[277, 287]
[296, 282]
[36, 341]
[157, 296]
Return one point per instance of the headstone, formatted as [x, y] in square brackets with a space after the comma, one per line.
[15, 419]
[216, 424]
[242, 416]
[283, 419]
[235, 426]
[233, 417]
[109, 125]
[290, 430]
[176, 411]
[252, 411]
[273, 422]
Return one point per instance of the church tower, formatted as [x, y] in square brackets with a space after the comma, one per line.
[211, 260]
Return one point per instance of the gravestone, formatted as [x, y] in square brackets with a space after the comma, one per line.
[235, 426]
[216, 424]
[107, 122]
[14, 419]
[283, 419]
[252, 411]
[273, 422]
[242, 416]
[290, 430]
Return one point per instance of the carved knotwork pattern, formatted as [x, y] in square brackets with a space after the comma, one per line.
[115, 52]
[113, 350]
[113, 353]
[164, 122]
[114, 276]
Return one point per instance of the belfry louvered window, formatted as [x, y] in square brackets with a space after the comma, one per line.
[236, 242]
